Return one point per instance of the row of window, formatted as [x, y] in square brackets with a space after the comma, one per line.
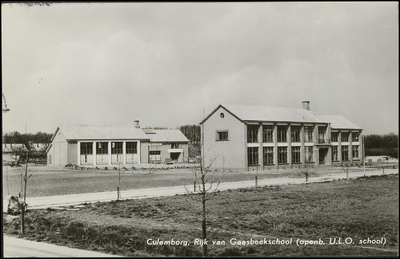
[268, 134]
[116, 147]
[355, 136]
[268, 154]
[102, 148]
[345, 153]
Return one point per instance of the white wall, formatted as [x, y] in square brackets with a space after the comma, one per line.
[228, 154]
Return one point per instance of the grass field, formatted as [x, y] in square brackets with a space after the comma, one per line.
[48, 181]
[361, 209]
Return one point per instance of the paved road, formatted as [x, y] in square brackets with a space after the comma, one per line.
[18, 247]
[53, 201]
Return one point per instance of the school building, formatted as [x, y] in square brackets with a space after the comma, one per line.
[106, 146]
[245, 137]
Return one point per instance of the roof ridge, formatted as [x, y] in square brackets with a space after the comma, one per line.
[250, 105]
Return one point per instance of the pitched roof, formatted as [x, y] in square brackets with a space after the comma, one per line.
[167, 136]
[339, 122]
[266, 113]
[282, 114]
[104, 132]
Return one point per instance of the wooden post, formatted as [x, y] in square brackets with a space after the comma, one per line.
[256, 175]
[22, 220]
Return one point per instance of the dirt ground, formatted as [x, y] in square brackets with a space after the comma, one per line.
[359, 209]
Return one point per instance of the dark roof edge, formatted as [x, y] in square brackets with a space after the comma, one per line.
[54, 135]
[297, 122]
[219, 106]
[341, 128]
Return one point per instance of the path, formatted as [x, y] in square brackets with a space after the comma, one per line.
[74, 199]
[18, 247]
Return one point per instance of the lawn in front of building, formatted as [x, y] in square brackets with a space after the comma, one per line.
[50, 181]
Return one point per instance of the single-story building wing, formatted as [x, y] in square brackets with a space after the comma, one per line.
[101, 146]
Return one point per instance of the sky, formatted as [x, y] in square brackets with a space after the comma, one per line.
[169, 64]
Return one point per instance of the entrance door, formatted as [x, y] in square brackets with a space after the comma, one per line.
[175, 156]
[322, 155]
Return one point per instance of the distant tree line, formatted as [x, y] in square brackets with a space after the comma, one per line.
[382, 145]
[192, 133]
[16, 137]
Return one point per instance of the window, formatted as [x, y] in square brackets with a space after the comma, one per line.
[252, 133]
[282, 133]
[268, 155]
[334, 136]
[252, 153]
[321, 134]
[86, 148]
[296, 155]
[116, 151]
[282, 155]
[345, 153]
[345, 136]
[131, 147]
[178, 145]
[155, 155]
[355, 152]
[268, 134]
[222, 135]
[335, 153]
[102, 148]
[309, 154]
[116, 147]
[295, 133]
[86, 152]
[355, 136]
[308, 136]
[131, 152]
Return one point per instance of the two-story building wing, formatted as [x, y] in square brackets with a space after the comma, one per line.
[244, 137]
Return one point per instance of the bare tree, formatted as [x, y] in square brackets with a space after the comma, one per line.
[24, 182]
[206, 182]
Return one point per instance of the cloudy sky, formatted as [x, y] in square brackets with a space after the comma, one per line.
[166, 64]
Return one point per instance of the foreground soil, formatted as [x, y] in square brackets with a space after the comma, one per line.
[304, 219]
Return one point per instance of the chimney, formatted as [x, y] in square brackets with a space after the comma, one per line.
[137, 124]
[306, 105]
